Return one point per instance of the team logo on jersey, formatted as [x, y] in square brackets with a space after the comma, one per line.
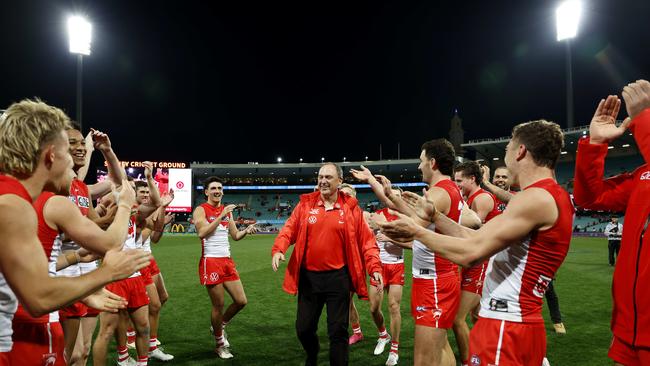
[83, 202]
[214, 276]
[541, 286]
[475, 360]
[211, 218]
[645, 176]
[501, 207]
[313, 211]
[312, 219]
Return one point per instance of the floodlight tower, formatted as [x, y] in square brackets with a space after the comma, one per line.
[80, 37]
[567, 17]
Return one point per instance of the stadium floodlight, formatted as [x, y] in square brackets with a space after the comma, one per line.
[279, 159]
[567, 17]
[366, 158]
[79, 35]
[344, 159]
[301, 160]
[322, 159]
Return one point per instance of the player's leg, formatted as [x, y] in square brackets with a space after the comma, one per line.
[430, 346]
[140, 319]
[355, 321]
[154, 306]
[236, 291]
[84, 340]
[394, 300]
[376, 298]
[107, 325]
[163, 295]
[610, 248]
[216, 293]
[70, 327]
[468, 301]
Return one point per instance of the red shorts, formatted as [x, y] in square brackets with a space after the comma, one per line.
[434, 302]
[37, 344]
[4, 358]
[393, 274]
[500, 342]
[146, 276]
[628, 355]
[153, 267]
[132, 289]
[472, 278]
[76, 310]
[213, 271]
[91, 312]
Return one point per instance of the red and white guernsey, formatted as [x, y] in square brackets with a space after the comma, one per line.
[519, 275]
[8, 302]
[80, 196]
[51, 241]
[132, 241]
[389, 253]
[495, 203]
[216, 244]
[426, 264]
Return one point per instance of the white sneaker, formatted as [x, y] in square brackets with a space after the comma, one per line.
[381, 344]
[223, 352]
[128, 362]
[545, 362]
[392, 359]
[130, 345]
[158, 342]
[159, 355]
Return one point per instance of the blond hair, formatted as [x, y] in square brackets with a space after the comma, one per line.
[350, 187]
[25, 128]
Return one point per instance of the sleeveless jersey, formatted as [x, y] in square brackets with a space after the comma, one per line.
[426, 264]
[216, 244]
[495, 204]
[80, 196]
[51, 241]
[132, 241]
[8, 302]
[518, 276]
[389, 253]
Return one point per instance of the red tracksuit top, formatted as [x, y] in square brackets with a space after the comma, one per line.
[629, 192]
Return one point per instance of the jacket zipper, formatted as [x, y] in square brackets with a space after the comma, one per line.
[636, 277]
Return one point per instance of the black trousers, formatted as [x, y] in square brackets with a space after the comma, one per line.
[553, 303]
[316, 289]
[614, 246]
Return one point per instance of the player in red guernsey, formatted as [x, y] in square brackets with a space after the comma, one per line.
[530, 239]
[435, 293]
[468, 176]
[57, 214]
[33, 156]
[217, 272]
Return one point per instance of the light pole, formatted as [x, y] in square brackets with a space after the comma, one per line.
[80, 37]
[567, 17]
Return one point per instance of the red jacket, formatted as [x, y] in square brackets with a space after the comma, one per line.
[628, 192]
[360, 248]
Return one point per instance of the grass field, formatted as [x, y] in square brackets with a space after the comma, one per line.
[263, 333]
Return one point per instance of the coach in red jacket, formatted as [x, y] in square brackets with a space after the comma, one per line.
[629, 192]
[332, 244]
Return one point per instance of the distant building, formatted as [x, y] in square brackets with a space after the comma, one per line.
[457, 134]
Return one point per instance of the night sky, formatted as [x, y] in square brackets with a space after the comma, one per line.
[243, 81]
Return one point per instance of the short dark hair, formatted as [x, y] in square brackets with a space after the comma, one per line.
[443, 151]
[140, 184]
[74, 125]
[213, 179]
[470, 169]
[339, 171]
[543, 139]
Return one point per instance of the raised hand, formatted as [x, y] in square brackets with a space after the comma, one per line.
[167, 198]
[251, 229]
[637, 97]
[402, 230]
[169, 217]
[424, 208]
[602, 128]
[127, 194]
[104, 300]
[101, 141]
[148, 169]
[386, 184]
[486, 173]
[228, 209]
[122, 264]
[362, 175]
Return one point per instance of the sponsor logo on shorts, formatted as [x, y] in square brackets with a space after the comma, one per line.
[312, 219]
[49, 359]
[214, 276]
[437, 314]
[474, 360]
[645, 175]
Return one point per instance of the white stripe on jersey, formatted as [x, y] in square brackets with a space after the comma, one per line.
[502, 285]
[390, 253]
[424, 260]
[217, 244]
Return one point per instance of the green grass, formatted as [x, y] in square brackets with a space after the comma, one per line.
[263, 333]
